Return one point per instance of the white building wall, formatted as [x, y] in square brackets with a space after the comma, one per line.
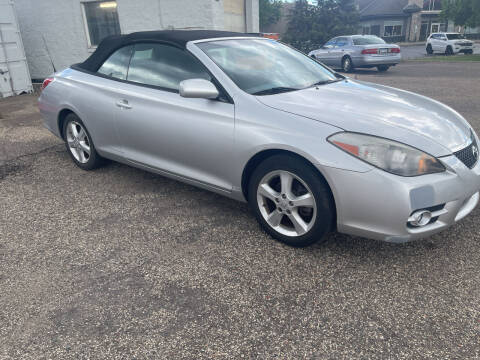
[54, 32]
[14, 75]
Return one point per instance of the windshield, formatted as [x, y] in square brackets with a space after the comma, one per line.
[265, 67]
[367, 40]
[455, 36]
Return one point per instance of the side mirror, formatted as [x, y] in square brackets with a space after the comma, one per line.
[198, 88]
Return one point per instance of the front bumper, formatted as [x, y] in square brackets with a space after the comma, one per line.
[463, 49]
[377, 205]
[374, 60]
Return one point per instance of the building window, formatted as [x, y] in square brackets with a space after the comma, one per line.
[393, 30]
[101, 20]
[375, 30]
[430, 5]
[366, 30]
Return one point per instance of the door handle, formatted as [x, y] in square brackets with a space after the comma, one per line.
[123, 104]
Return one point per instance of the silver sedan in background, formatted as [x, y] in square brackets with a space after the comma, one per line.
[358, 51]
[257, 121]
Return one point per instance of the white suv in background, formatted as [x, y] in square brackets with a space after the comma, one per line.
[448, 44]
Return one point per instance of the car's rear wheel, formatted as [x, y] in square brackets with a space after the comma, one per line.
[79, 144]
[449, 51]
[383, 68]
[291, 200]
[429, 49]
[347, 64]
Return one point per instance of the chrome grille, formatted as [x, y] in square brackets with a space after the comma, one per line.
[468, 155]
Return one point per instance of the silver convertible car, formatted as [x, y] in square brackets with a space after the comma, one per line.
[255, 120]
[358, 51]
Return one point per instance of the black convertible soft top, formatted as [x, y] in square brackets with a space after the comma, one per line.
[178, 38]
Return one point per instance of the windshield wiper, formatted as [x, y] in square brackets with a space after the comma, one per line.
[324, 82]
[275, 90]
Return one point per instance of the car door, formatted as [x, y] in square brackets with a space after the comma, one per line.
[159, 129]
[323, 54]
[95, 98]
[438, 42]
[336, 54]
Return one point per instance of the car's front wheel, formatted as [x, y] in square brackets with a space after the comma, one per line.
[347, 64]
[429, 49]
[449, 51]
[79, 144]
[382, 68]
[291, 200]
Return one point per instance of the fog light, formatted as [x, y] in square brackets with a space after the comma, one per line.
[420, 218]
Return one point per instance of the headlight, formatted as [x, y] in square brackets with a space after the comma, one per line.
[388, 155]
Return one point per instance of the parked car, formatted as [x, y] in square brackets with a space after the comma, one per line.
[358, 51]
[257, 121]
[448, 44]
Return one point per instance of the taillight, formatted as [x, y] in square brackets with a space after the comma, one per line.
[395, 50]
[46, 82]
[370, 51]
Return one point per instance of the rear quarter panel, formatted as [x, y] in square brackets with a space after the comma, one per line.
[91, 98]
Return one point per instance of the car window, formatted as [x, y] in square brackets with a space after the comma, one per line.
[265, 66]
[367, 40]
[331, 42]
[455, 36]
[342, 42]
[116, 65]
[164, 66]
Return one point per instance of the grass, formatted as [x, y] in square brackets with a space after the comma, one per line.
[452, 58]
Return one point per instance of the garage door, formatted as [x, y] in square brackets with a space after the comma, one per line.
[234, 15]
[14, 74]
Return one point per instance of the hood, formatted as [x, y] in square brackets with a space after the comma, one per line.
[379, 110]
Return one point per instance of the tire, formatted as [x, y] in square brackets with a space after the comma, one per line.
[449, 51]
[268, 201]
[79, 144]
[429, 49]
[347, 64]
[469, 52]
[313, 57]
[382, 68]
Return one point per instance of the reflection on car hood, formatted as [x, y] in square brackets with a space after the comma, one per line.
[379, 110]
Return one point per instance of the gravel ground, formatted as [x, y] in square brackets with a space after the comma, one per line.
[120, 263]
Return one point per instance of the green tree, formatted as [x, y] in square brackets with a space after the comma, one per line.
[310, 26]
[270, 12]
[462, 12]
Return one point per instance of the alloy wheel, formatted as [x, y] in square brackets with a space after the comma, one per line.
[347, 64]
[78, 142]
[286, 203]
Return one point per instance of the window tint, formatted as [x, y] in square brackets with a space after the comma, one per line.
[331, 42]
[102, 20]
[342, 42]
[455, 36]
[164, 66]
[367, 40]
[116, 65]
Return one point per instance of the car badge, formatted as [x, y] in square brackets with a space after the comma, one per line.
[475, 151]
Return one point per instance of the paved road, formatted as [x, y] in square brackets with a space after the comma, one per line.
[120, 263]
[418, 51]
